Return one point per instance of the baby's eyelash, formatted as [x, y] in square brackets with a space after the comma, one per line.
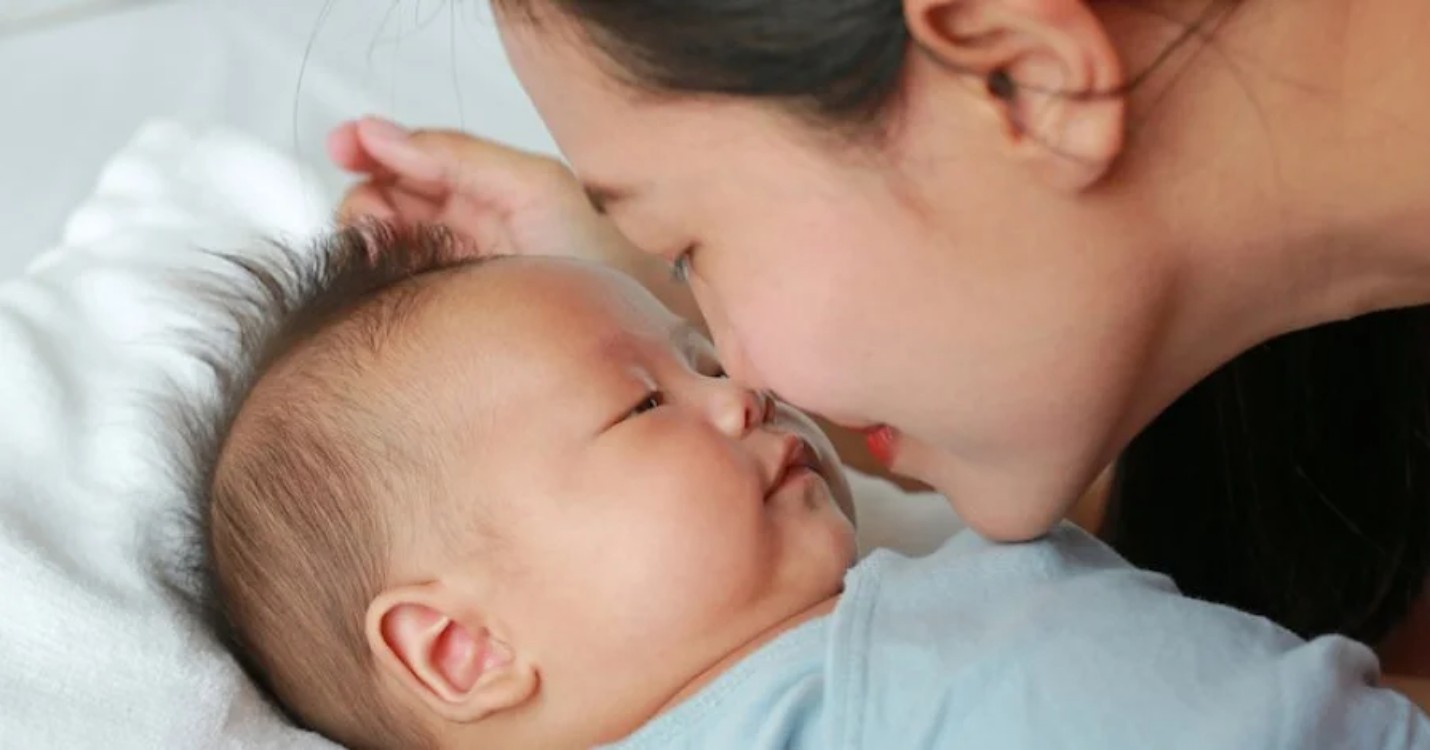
[653, 400]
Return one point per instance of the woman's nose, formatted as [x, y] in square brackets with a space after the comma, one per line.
[732, 353]
[736, 410]
[735, 364]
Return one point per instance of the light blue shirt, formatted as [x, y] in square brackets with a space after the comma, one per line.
[1053, 644]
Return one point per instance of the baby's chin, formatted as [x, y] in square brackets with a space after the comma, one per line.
[828, 543]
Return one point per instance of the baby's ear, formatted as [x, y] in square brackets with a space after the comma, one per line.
[428, 641]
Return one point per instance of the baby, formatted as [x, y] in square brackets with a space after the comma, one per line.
[513, 502]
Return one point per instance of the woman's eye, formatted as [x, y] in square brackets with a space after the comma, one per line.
[708, 365]
[681, 267]
[651, 402]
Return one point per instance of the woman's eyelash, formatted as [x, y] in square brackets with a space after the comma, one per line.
[680, 268]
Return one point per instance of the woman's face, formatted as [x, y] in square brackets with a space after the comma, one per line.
[920, 280]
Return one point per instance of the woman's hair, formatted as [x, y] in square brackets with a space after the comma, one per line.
[838, 61]
[1295, 482]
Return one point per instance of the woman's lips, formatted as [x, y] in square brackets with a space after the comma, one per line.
[883, 443]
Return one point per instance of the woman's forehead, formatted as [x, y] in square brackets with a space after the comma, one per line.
[622, 136]
[561, 73]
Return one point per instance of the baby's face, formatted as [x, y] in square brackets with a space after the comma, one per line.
[642, 516]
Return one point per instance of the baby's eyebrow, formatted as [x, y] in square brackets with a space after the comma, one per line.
[614, 346]
[682, 337]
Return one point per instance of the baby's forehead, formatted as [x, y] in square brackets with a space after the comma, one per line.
[532, 345]
[548, 298]
[529, 324]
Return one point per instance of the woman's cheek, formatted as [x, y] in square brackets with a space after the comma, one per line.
[778, 326]
[797, 354]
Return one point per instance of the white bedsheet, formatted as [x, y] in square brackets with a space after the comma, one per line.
[74, 92]
[94, 652]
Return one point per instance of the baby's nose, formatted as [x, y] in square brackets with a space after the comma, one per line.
[740, 410]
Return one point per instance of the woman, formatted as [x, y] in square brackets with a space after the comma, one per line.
[1004, 236]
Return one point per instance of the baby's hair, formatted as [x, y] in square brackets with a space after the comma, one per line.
[290, 462]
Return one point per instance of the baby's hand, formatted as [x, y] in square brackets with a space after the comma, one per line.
[507, 202]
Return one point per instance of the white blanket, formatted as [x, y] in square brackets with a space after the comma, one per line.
[95, 651]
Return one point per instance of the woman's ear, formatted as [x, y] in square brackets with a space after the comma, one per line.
[1046, 70]
[434, 646]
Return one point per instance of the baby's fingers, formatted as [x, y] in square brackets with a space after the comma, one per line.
[440, 163]
[392, 201]
[345, 149]
[396, 150]
[384, 152]
[366, 202]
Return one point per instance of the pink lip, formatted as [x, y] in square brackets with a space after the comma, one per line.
[883, 443]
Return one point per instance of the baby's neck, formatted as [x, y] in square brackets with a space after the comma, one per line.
[818, 609]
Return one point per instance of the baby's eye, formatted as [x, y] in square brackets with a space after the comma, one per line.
[652, 401]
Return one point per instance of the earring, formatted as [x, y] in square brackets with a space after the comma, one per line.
[1001, 85]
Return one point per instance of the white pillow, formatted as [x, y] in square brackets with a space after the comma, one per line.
[95, 649]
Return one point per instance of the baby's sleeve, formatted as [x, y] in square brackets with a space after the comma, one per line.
[1321, 694]
[1061, 644]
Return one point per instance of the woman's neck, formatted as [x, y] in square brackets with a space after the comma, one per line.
[1291, 174]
